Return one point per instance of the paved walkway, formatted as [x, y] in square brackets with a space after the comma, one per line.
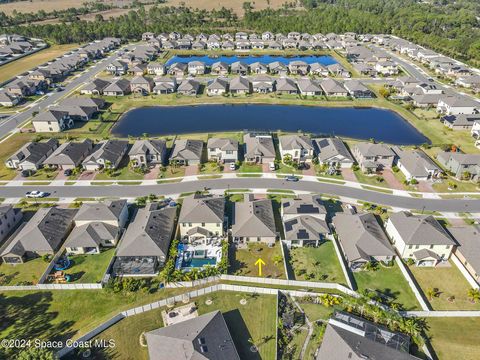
[392, 181]
[152, 173]
[349, 175]
[191, 170]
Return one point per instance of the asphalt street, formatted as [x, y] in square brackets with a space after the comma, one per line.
[443, 205]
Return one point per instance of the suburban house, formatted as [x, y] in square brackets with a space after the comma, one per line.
[333, 152]
[357, 90]
[202, 217]
[32, 155]
[196, 68]
[318, 69]
[239, 68]
[217, 86]
[475, 131]
[373, 157]
[9, 218]
[278, 68]
[240, 85]
[258, 148]
[468, 248]
[253, 221]
[298, 67]
[42, 235]
[415, 164]
[165, 85]
[220, 68]
[69, 155]
[362, 239]
[95, 87]
[351, 337]
[203, 337]
[419, 237]
[333, 88]
[258, 68]
[119, 87]
[187, 152]
[141, 85]
[52, 121]
[97, 226]
[455, 105]
[177, 69]
[117, 67]
[144, 246]
[304, 221]
[222, 150]
[146, 152]
[263, 84]
[106, 155]
[308, 87]
[8, 100]
[460, 121]
[155, 68]
[462, 166]
[188, 87]
[286, 86]
[297, 148]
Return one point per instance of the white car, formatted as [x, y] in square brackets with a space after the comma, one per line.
[36, 194]
[233, 167]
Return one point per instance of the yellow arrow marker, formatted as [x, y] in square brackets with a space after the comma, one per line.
[260, 263]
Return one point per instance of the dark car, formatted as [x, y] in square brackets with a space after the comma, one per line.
[291, 178]
[68, 172]
[27, 173]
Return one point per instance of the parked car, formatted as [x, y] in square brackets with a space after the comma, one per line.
[291, 178]
[68, 172]
[233, 166]
[36, 194]
[272, 166]
[27, 173]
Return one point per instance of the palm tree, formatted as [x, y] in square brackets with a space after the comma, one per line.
[473, 295]
[277, 259]
[410, 326]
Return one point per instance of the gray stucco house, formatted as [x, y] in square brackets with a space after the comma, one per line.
[373, 157]
[32, 155]
[146, 152]
[187, 152]
[333, 152]
[259, 148]
[460, 164]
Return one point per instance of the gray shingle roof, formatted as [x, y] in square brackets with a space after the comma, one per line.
[204, 337]
[109, 150]
[222, 144]
[304, 204]
[361, 236]
[416, 162]
[327, 148]
[91, 235]
[34, 151]
[258, 146]
[109, 210]
[420, 229]
[184, 149]
[295, 142]
[152, 146]
[468, 239]
[203, 209]
[254, 218]
[69, 153]
[371, 149]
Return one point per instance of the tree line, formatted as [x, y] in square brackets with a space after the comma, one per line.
[451, 28]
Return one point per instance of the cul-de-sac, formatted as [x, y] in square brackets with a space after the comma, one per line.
[240, 180]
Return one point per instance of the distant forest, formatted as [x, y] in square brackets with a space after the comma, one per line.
[448, 26]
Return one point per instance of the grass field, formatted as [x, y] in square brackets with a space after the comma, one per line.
[318, 264]
[254, 320]
[450, 282]
[315, 312]
[28, 62]
[455, 338]
[242, 261]
[388, 283]
[89, 268]
[27, 273]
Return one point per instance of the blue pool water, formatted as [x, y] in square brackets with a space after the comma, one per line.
[357, 123]
[266, 59]
[198, 263]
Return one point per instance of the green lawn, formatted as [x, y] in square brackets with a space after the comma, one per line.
[317, 264]
[248, 168]
[89, 268]
[295, 346]
[389, 283]
[315, 340]
[370, 179]
[211, 168]
[122, 173]
[455, 338]
[172, 172]
[461, 186]
[255, 320]
[450, 282]
[242, 261]
[321, 171]
[315, 312]
[285, 169]
[27, 273]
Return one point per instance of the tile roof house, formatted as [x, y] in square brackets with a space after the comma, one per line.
[468, 248]
[217, 86]
[187, 152]
[419, 237]
[201, 218]
[97, 226]
[106, 154]
[204, 337]
[188, 87]
[69, 155]
[253, 221]
[350, 337]
[362, 239]
[460, 164]
[304, 220]
[52, 121]
[373, 157]
[297, 148]
[415, 164]
[43, 234]
[333, 152]
[143, 248]
[258, 148]
[32, 155]
[222, 150]
[146, 152]
[240, 85]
